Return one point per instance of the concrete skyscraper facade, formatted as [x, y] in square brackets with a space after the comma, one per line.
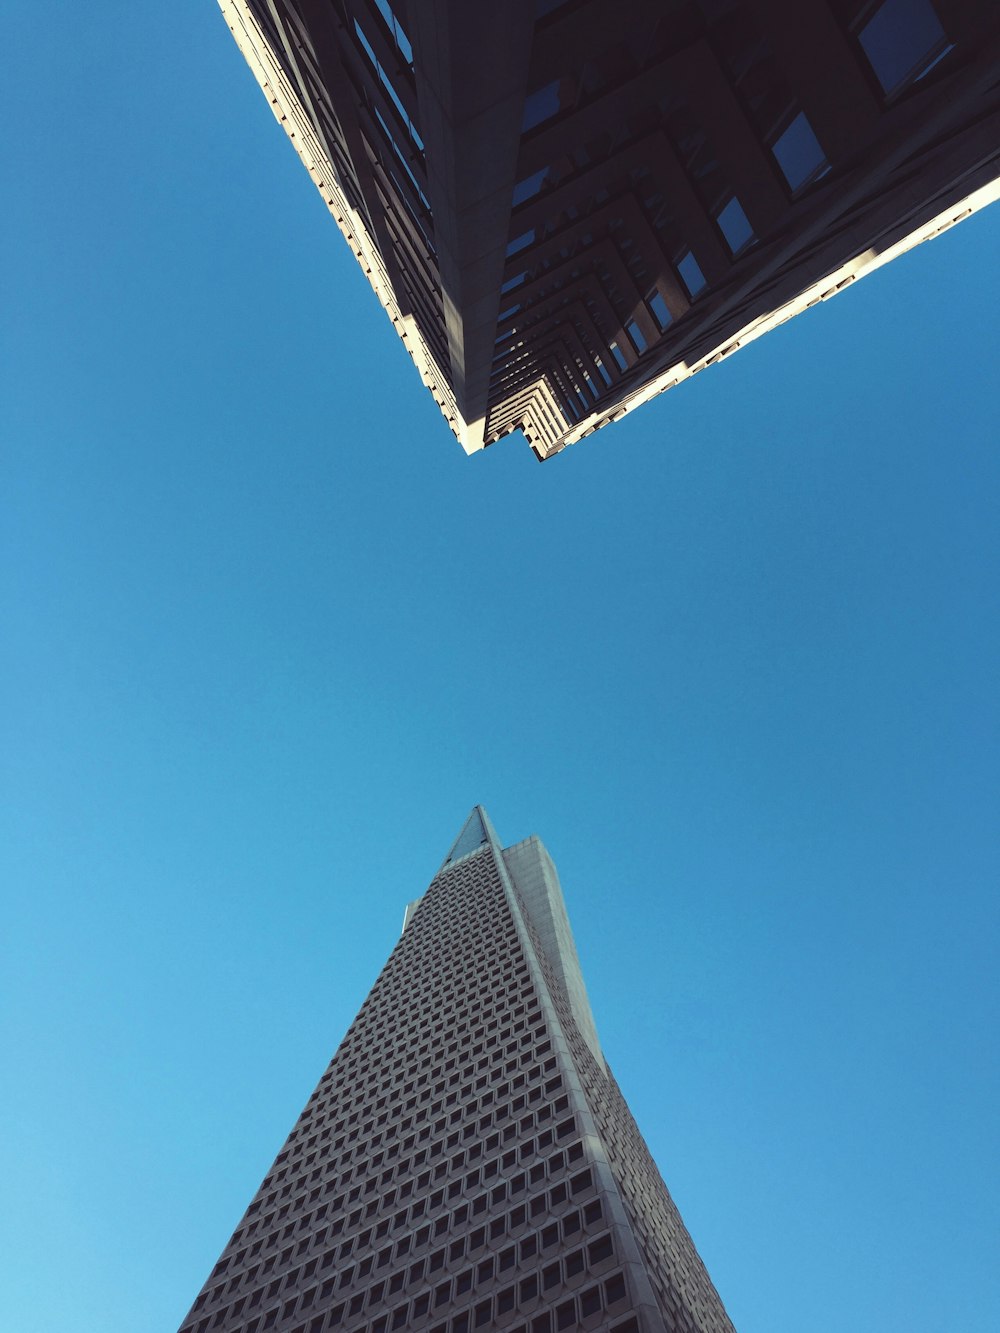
[467, 1161]
[569, 206]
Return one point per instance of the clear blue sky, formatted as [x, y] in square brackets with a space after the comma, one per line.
[268, 635]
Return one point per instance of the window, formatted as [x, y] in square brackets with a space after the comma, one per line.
[635, 333]
[387, 85]
[529, 187]
[599, 1250]
[614, 1289]
[902, 40]
[566, 1315]
[520, 242]
[483, 1311]
[658, 309]
[735, 226]
[392, 23]
[798, 153]
[691, 274]
[590, 1302]
[541, 105]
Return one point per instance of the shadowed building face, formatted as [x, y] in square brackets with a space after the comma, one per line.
[567, 208]
[467, 1160]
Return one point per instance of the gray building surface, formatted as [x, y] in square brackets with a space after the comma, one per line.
[467, 1161]
[568, 206]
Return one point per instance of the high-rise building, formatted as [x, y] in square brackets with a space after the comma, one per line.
[467, 1161]
[568, 206]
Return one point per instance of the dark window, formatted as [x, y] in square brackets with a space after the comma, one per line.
[599, 1250]
[529, 187]
[614, 1288]
[541, 105]
[590, 1301]
[566, 1315]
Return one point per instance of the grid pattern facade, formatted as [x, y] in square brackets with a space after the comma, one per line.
[568, 206]
[466, 1161]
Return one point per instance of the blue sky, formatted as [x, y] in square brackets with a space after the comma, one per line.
[268, 635]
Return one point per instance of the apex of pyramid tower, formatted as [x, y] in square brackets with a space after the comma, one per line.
[475, 832]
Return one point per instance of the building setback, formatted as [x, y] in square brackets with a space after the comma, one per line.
[467, 1161]
[566, 208]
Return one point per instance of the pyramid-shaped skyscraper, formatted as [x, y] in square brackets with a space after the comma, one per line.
[467, 1161]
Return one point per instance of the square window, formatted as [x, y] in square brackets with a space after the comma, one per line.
[574, 1263]
[599, 1250]
[590, 1302]
[566, 1315]
[614, 1289]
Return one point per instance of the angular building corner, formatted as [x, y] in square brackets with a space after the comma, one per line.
[567, 206]
[467, 1161]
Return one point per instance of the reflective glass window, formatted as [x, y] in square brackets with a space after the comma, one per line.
[798, 153]
[902, 39]
[520, 242]
[392, 23]
[659, 309]
[735, 225]
[691, 274]
[635, 333]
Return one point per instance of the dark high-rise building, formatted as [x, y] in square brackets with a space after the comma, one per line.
[467, 1161]
[567, 207]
